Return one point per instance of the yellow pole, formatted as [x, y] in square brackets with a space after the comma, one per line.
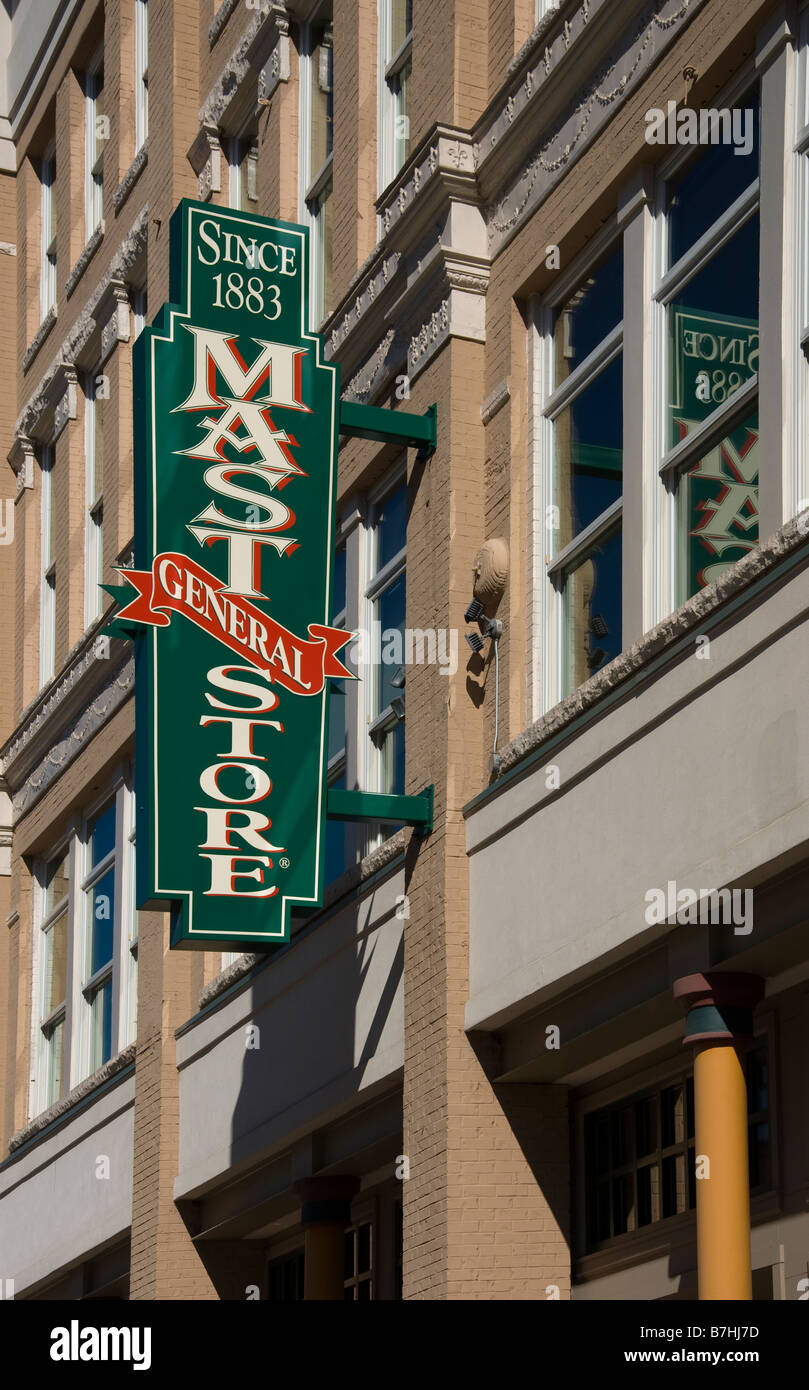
[723, 1184]
[719, 1026]
[325, 1214]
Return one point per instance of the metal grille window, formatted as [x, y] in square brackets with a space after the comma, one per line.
[54, 926]
[316, 155]
[95, 395]
[47, 592]
[358, 1280]
[94, 139]
[385, 598]
[141, 72]
[47, 271]
[396, 67]
[583, 442]
[639, 1154]
[707, 304]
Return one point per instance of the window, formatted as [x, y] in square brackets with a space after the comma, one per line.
[336, 854]
[47, 266]
[395, 50]
[358, 1281]
[707, 296]
[385, 601]
[582, 433]
[95, 133]
[639, 1154]
[242, 157]
[285, 1278]
[47, 583]
[316, 157]
[86, 957]
[54, 897]
[96, 393]
[141, 72]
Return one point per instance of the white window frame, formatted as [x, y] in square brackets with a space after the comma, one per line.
[93, 151]
[47, 581]
[47, 263]
[547, 668]
[123, 971]
[314, 185]
[139, 302]
[375, 722]
[390, 156]
[94, 522]
[669, 465]
[141, 73]
[797, 498]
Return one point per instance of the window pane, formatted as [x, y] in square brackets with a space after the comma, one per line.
[337, 718]
[102, 835]
[401, 130]
[101, 1026]
[645, 1126]
[339, 582]
[389, 612]
[393, 765]
[335, 857]
[55, 1063]
[391, 526]
[588, 315]
[57, 882]
[55, 965]
[322, 98]
[102, 908]
[401, 22]
[717, 503]
[588, 442]
[697, 197]
[364, 1249]
[592, 609]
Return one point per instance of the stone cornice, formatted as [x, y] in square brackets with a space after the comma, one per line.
[131, 177]
[84, 260]
[61, 1109]
[39, 338]
[76, 344]
[228, 102]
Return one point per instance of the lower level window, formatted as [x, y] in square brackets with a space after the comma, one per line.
[639, 1154]
[358, 1281]
[285, 1278]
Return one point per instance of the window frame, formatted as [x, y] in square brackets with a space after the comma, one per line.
[47, 579]
[390, 66]
[94, 501]
[377, 724]
[141, 74]
[670, 464]
[47, 250]
[315, 186]
[551, 568]
[93, 149]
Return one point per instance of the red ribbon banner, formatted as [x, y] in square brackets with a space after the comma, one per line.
[178, 583]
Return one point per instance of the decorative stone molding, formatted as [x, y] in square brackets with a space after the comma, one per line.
[131, 177]
[789, 538]
[39, 338]
[8, 248]
[5, 834]
[220, 19]
[443, 169]
[368, 380]
[269, 51]
[429, 338]
[112, 317]
[205, 157]
[61, 1107]
[369, 291]
[66, 407]
[633, 54]
[493, 402]
[84, 259]
[64, 718]
[76, 344]
[228, 103]
[21, 457]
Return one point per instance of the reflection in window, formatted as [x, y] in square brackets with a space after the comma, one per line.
[99, 890]
[386, 592]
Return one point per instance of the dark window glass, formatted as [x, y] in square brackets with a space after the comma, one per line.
[102, 834]
[588, 437]
[703, 191]
[390, 614]
[285, 1278]
[593, 611]
[339, 586]
[391, 526]
[589, 314]
[335, 858]
[102, 906]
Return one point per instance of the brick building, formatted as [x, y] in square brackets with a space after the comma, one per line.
[471, 1079]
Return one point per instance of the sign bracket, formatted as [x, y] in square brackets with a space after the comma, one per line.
[392, 810]
[391, 426]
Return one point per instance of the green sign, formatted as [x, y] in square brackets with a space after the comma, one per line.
[713, 356]
[236, 419]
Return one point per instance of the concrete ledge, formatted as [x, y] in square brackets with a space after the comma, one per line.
[84, 260]
[61, 1107]
[39, 338]
[131, 177]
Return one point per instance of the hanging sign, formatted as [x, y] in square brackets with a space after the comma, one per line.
[713, 356]
[236, 428]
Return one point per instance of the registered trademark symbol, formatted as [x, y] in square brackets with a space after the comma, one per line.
[283, 863]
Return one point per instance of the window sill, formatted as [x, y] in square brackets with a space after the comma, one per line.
[61, 1109]
[131, 177]
[39, 338]
[84, 259]
[220, 19]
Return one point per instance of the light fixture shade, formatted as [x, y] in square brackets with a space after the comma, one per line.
[475, 641]
[474, 611]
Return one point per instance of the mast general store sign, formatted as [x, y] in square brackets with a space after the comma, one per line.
[235, 464]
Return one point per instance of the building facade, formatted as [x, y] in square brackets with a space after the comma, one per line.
[489, 1066]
